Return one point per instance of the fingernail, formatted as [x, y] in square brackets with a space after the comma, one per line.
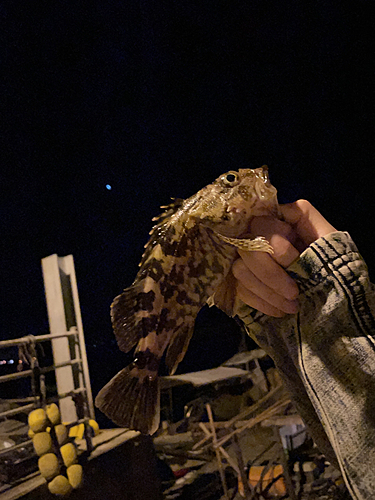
[293, 292]
[293, 307]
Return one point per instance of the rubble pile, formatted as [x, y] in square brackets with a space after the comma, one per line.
[252, 447]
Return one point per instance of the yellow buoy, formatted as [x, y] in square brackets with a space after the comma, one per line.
[94, 425]
[42, 443]
[59, 486]
[69, 454]
[75, 474]
[48, 465]
[61, 433]
[53, 413]
[77, 431]
[73, 431]
[38, 420]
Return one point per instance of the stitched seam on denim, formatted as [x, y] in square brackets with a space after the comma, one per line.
[352, 299]
[335, 445]
[356, 320]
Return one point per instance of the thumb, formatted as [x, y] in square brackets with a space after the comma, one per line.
[306, 220]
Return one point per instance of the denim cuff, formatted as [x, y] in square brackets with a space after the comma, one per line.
[327, 255]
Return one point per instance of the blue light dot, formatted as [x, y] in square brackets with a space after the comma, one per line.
[108, 186]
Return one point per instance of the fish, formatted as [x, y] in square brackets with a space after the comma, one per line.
[185, 265]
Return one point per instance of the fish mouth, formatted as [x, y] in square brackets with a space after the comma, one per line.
[264, 192]
[266, 203]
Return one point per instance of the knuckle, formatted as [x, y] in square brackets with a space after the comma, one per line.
[238, 268]
[282, 256]
[281, 247]
[267, 275]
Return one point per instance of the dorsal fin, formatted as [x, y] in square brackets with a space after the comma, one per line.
[168, 210]
[133, 312]
[160, 230]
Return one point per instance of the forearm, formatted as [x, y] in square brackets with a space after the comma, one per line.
[326, 353]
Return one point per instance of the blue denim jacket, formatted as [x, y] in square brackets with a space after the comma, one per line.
[326, 355]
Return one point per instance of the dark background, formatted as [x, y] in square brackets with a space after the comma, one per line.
[157, 99]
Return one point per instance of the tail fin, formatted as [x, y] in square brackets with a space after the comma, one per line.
[131, 402]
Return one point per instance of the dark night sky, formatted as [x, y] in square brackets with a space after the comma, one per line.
[157, 99]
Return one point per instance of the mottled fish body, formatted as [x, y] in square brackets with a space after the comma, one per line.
[185, 264]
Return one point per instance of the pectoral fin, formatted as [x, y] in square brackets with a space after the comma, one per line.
[225, 296]
[259, 243]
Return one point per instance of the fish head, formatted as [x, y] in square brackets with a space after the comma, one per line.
[233, 199]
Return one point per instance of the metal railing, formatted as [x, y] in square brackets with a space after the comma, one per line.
[37, 400]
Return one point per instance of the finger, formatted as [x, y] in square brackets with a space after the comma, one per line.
[270, 273]
[281, 237]
[257, 303]
[306, 220]
[252, 287]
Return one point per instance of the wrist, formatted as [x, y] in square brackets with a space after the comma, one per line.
[323, 257]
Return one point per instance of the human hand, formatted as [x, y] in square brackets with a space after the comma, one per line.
[262, 281]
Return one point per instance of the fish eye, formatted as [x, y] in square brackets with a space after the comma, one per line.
[230, 178]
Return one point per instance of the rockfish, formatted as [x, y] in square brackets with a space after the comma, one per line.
[186, 264]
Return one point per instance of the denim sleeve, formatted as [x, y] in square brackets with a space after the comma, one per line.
[326, 355]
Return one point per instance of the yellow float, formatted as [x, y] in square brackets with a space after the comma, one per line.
[53, 413]
[60, 486]
[75, 474]
[42, 443]
[69, 454]
[38, 420]
[49, 465]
